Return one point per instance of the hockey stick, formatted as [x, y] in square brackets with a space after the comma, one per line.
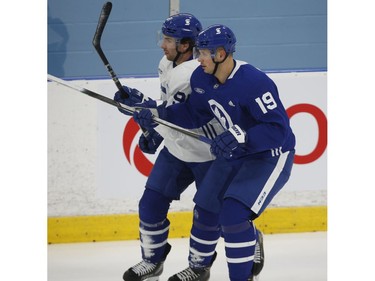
[127, 108]
[104, 14]
[106, 10]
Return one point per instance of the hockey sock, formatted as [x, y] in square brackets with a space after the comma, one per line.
[154, 225]
[204, 236]
[153, 240]
[240, 238]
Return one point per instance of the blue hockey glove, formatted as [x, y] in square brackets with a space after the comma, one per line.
[138, 99]
[150, 143]
[118, 97]
[226, 143]
[135, 99]
[144, 118]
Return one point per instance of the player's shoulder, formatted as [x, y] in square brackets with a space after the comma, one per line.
[187, 66]
[244, 69]
[182, 72]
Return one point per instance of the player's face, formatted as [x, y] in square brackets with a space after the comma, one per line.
[205, 59]
[168, 44]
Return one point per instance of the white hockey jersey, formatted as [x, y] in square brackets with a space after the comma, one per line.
[175, 88]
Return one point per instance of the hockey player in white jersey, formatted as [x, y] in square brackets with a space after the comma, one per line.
[180, 162]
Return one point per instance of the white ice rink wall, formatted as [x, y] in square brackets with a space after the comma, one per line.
[94, 168]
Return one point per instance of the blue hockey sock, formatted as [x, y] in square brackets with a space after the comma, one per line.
[154, 225]
[240, 238]
[204, 236]
[154, 240]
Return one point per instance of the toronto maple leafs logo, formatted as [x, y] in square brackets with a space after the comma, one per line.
[220, 114]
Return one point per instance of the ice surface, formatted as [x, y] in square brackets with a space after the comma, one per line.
[288, 257]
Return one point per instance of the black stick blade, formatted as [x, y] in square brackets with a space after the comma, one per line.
[106, 10]
[104, 14]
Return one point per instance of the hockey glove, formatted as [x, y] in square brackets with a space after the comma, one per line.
[228, 142]
[135, 99]
[150, 143]
[118, 98]
[144, 118]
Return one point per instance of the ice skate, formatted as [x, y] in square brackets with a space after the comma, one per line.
[145, 271]
[258, 256]
[194, 274]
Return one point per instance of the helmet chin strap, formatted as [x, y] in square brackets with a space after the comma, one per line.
[179, 54]
[176, 58]
[217, 63]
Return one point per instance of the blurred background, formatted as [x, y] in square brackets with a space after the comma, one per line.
[273, 35]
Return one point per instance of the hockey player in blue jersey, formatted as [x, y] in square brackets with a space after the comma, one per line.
[258, 142]
[180, 162]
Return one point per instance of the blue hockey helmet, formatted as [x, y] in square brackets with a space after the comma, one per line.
[216, 36]
[181, 26]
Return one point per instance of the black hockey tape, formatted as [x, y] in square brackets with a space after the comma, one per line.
[106, 11]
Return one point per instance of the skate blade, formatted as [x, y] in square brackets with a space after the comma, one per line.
[156, 278]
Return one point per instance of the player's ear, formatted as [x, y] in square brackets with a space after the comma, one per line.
[185, 46]
[220, 53]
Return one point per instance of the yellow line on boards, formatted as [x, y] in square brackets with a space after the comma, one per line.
[125, 226]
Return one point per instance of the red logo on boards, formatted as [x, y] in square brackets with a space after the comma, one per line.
[139, 160]
[321, 120]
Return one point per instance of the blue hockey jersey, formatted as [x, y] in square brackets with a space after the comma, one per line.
[248, 98]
